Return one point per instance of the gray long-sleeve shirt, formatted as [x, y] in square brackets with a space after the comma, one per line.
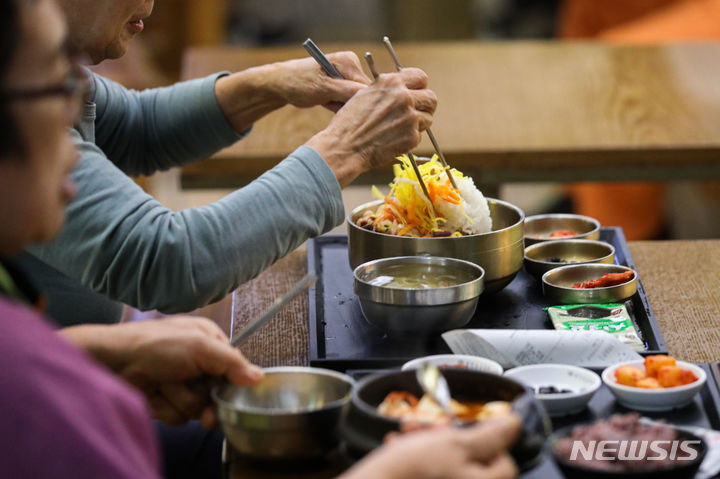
[121, 242]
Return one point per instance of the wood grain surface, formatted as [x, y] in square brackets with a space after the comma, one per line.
[521, 111]
[682, 281]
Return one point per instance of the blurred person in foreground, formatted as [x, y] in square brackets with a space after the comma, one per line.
[122, 243]
[58, 402]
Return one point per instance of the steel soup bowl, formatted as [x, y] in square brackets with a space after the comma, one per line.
[499, 252]
[419, 311]
[539, 227]
[294, 413]
[364, 429]
[537, 256]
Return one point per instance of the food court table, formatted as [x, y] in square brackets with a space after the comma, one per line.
[681, 278]
[518, 111]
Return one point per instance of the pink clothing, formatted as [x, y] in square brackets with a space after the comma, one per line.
[62, 415]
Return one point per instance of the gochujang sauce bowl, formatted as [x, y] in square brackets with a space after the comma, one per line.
[364, 429]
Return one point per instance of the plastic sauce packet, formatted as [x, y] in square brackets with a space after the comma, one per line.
[612, 318]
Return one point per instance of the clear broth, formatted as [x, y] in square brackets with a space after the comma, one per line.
[417, 276]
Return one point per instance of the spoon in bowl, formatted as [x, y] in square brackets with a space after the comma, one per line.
[434, 384]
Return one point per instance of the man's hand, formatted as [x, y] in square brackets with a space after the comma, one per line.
[304, 84]
[175, 362]
[377, 124]
[477, 452]
[247, 96]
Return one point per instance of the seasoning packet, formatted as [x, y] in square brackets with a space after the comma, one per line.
[613, 318]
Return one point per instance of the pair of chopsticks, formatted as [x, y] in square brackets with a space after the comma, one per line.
[330, 69]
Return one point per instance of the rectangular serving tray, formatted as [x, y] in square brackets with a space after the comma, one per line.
[341, 338]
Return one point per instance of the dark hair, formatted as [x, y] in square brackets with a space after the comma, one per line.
[9, 37]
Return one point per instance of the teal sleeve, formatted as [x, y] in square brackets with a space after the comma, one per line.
[121, 242]
[156, 129]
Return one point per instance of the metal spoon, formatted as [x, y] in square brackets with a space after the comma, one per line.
[307, 281]
[434, 142]
[434, 384]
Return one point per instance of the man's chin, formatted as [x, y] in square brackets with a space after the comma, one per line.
[114, 51]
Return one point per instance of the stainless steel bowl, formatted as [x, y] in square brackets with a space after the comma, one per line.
[419, 311]
[557, 284]
[538, 256]
[499, 252]
[539, 227]
[293, 413]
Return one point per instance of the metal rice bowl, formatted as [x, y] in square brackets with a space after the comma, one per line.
[500, 252]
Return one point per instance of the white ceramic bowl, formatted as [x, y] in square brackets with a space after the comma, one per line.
[473, 363]
[582, 382]
[663, 399]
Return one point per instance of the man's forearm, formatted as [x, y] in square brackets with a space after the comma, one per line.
[246, 96]
[105, 343]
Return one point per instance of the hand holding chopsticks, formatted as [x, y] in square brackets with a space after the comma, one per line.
[395, 58]
[371, 64]
[377, 124]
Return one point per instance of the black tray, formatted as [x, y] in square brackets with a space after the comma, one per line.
[341, 338]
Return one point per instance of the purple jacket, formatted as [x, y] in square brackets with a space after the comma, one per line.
[62, 415]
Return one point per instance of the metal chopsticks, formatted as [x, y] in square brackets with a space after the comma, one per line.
[371, 64]
[320, 57]
[434, 142]
[306, 281]
[330, 69]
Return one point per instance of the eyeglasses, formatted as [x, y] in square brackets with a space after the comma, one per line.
[74, 88]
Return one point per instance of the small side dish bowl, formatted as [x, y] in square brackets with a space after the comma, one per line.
[294, 413]
[558, 284]
[582, 384]
[415, 310]
[539, 227]
[542, 257]
[461, 361]
[663, 399]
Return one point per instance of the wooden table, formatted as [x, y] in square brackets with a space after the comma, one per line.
[519, 111]
[681, 278]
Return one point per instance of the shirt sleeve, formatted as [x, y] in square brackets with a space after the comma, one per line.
[150, 130]
[121, 242]
[62, 415]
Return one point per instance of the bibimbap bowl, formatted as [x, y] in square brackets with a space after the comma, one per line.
[500, 252]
